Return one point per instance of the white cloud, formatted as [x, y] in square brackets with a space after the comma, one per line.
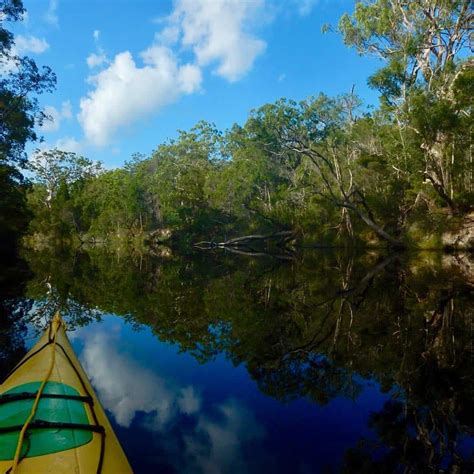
[56, 116]
[66, 109]
[95, 60]
[98, 58]
[217, 32]
[125, 92]
[25, 19]
[188, 401]
[214, 442]
[68, 144]
[53, 123]
[281, 77]
[51, 15]
[23, 45]
[29, 44]
[236, 425]
[123, 386]
[305, 7]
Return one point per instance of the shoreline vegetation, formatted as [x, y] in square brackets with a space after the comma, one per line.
[456, 236]
[325, 171]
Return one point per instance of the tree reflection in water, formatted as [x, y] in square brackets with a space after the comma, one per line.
[314, 327]
[14, 308]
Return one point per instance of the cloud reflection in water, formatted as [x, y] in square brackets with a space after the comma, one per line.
[213, 439]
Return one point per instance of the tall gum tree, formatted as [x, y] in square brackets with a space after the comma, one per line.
[424, 83]
[310, 140]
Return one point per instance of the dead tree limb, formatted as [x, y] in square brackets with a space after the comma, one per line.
[246, 240]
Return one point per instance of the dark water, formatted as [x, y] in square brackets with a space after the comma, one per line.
[326, 362]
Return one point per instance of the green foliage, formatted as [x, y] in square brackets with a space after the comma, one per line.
[13, 213]
[22, 80]
[57, 197]
[322, 167]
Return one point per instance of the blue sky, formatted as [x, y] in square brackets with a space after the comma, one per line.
[133, 72]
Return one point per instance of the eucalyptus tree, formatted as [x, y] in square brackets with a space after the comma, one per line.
[311, 141]
[53, 167]
[179, 174]
[425, 84]
[59, 178]
[113, 203]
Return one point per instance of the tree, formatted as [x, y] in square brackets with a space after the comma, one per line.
[59, 181]
[54, 167]
[179, 172]
[112, 203]
[311, 140]
[12, 10]
[22, 80]
[418, 39]
[424, 84]
[13, 213]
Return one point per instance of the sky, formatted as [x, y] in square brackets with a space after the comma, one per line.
[131, 73]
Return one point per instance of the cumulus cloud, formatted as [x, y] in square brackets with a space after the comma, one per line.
[125, 92]
[96, 59]
[23, 45]
[217, 32]
[68, 144]
[29, 44]
[56, 116]
[99, 57]
[216, 445]
[188, 402]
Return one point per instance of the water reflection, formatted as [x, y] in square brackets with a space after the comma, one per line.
[208, 438]
[321, 328]
[14, 308]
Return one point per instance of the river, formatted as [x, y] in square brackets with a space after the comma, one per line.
[325, 361]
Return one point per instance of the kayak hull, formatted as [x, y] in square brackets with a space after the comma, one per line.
[80, 438]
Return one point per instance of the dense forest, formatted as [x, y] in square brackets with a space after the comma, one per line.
[326, 170]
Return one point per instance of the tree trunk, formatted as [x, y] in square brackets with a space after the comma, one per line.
[395, 243]
[247, 239]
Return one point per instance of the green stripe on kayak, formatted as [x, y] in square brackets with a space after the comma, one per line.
[45, 440]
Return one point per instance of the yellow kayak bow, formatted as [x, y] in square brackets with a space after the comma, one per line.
[50, 418]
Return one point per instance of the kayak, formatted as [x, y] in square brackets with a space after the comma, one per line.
[51, 421]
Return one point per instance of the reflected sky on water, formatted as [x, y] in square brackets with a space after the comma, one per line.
[173, 412]
[215, 363]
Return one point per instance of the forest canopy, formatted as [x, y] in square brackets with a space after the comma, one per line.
[325, 168]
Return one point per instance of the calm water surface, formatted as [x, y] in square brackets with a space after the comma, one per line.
[213, 363]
